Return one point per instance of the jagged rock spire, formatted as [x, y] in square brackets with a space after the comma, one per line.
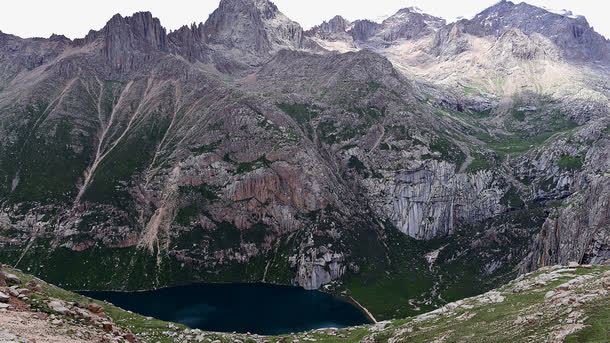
[252, 25]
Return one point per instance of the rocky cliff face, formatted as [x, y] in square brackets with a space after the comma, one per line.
[432, 201]
[577, 230]
[252, 26]
[240, 150]
[126, 43]
[190, 42]
[336, 25]
[571, 34]
[18, 55]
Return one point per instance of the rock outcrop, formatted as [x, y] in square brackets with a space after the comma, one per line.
[126, 43]
[190, 42]
[579, 231]
[329, 29]
[432, 201]
[252, 26]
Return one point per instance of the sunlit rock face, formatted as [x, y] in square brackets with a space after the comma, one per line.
[431, 202]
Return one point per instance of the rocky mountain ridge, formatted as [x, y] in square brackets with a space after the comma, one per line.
[245, 149]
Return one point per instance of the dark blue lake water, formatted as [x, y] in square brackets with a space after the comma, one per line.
[256, 308]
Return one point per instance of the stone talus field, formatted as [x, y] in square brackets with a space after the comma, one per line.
[422, 160]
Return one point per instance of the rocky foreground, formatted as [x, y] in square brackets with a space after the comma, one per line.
[555, 304]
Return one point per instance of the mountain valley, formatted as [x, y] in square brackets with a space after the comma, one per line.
[406, 164]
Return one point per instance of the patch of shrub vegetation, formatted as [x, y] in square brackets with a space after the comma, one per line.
[569, 162]
[329, 134]
[512, 199]
[247, 167]
[355, 163]
[369, 113]
[256, 233]
[480, 162]
[302, 113]
[448, 151]
[519, 114]
[206, 148]
[373, 86]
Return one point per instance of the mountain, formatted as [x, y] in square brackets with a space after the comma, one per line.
[253, 26]
[407, 23]
[336, 25]
[571, 34]
[412, 158]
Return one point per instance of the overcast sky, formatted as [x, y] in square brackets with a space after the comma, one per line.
[74, 18]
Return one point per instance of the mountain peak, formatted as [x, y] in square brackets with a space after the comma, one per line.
[141, 28]
[362, 30]
[252, 26]
[336, 25]
[411, 9]
[408, 23]
[572, 34]
[126, 41]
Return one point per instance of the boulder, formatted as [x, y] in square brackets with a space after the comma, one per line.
[131, 338]
[107, 326]
[34, 286]
[4, 297]
[95, 308]
[606, 282]
[84, 314]
[58, 306]
[24, 291]
[11, 279]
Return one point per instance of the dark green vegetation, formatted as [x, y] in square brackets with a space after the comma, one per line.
[300, 112]
[512, 198]
[480, 162]
[196, 199]
[245, 167]
[520, 143]
[447, 151]
[404, 288]
[43, 168]
[130, 156]
[568, 162]
[135, 269]
[387, 292]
